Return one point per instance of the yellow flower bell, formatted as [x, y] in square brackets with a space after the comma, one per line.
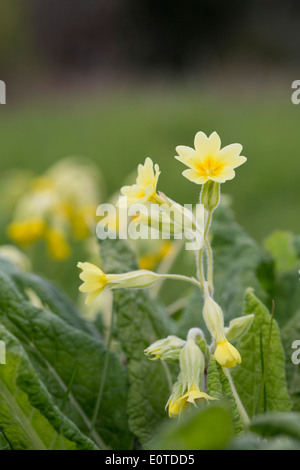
[225, 354]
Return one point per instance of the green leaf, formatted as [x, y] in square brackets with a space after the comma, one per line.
[29, 419]
[253, 347]
[141, 321]
[287, 296]
[57, 350]
[49, 296]
[277, 424]
[4, 444]
[290, 333]
[218, 387]
[281, 245]
[205, 428]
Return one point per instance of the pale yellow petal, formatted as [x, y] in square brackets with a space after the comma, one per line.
[186, 154]
[193, 176]
[92, 296]
[207, 146]
[230, 155]
[235, 353]
[226, 174]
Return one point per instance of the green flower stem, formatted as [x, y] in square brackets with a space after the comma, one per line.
[210, 267]
[200, 256]
[243, 414]
[179, 277]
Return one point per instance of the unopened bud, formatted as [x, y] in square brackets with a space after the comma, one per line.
[210, 195]
[167, 349]
[238, 327]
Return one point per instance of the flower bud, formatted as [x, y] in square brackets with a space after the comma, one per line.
[167, 349]
[213, 316]
[198, 336]
[238, 327]
[210, 195]
[191, 364]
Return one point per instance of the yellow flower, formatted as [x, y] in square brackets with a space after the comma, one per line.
[26, 232]
[226, 354]
[58, 247]
[145, 187]
[192, 396]
[95, 280]
[208, 161]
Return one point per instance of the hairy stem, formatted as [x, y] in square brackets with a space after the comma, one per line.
[243, 414]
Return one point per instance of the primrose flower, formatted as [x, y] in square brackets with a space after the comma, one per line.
[207, 161]
[225, 354]
[187, 390]
[145, 187]
[95, 280]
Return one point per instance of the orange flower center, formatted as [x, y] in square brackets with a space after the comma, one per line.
[210, 167]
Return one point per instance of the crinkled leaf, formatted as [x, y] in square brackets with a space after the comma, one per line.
[253, 347]
[29, 418]
[58, 351]
[218, 387]
[141, 321]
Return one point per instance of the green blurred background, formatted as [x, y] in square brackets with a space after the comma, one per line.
[117, 81]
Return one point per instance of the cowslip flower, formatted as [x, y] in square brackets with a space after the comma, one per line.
[95, 280]
[145, 187]
[225, 353]
[187, 390]
[207, 161]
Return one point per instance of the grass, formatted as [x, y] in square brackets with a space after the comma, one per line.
[120, 130]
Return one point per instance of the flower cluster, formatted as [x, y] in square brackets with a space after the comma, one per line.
[209, 166]
[59, 205]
